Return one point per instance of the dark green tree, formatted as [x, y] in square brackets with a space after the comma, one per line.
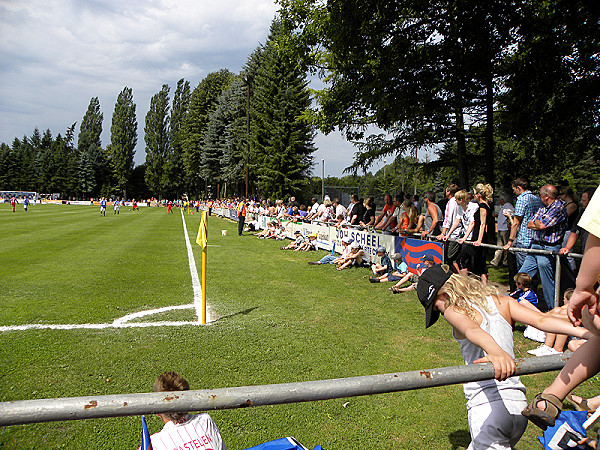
[123, 139]
[174, 171]
[202, 104]
[89, 142]
[282, 139]
[158, 140]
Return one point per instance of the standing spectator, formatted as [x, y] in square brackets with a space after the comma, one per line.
[241, 215]
[432, 219]
[368, 218]
[390, 221]
[407, 218]
[388, 210]
[313, 209]
[184, 430]
[358, 210]
[453, 211]
[506, 209]
[577, 231]
[567, 196]
[417, 203]
[549, 224]
[527, 204]
[340, 210]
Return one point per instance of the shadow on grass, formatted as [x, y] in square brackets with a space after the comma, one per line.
[244, 313]
[459, 439]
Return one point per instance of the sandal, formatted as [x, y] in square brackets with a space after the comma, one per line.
[395, 289]
[543, 418]
[579, 406]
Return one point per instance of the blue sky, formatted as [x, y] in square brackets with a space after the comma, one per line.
[58, 54]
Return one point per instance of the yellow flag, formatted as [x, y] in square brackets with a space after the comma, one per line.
[202, 232]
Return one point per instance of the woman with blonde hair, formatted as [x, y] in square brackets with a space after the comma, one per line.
[408, 217]
[481, 322]
[483, 229]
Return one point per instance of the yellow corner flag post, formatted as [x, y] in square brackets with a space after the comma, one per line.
[201, 240]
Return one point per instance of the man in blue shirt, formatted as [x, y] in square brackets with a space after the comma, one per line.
[548, 224]
[526, 206]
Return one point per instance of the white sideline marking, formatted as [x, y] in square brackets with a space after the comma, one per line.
[125, 321]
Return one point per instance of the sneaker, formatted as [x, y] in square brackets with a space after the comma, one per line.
[534, 334]
[374, 280]
[313, 263]
[542, 348]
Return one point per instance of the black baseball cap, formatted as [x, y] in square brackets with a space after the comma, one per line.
[430, 282]
[427, 257]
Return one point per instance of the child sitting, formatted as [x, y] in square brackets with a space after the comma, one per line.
[356, 257]
[308, 245]
[555, 343]
[481, 322]
[385, 266]
[394, 275]
[413, 278]
[300, 239]
[526, 297]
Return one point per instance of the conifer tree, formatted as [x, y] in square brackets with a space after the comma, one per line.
[158, 140]
[123, 139]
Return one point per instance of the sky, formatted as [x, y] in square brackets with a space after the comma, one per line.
[57, 54]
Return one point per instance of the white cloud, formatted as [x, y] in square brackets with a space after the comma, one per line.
[58, 54]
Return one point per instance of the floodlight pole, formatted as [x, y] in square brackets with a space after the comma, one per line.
[323, 180]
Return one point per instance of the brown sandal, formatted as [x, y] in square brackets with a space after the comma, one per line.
[546, 417]
[579, 406]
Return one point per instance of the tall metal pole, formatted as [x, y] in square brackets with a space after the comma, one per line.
[247, 129]
[323, 180]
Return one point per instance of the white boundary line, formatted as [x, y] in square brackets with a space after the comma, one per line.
[125, 321]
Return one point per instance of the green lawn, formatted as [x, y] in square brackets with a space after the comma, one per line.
[280, 320]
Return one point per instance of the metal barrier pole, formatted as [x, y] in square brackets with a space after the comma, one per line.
[77, 408]
[557, 275]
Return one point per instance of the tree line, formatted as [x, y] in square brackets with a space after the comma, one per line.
[499, 88]
[496, 90]
[234, 134]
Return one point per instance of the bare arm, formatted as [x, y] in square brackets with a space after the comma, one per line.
[504, 365]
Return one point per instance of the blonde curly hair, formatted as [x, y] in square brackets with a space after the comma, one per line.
[464, 291]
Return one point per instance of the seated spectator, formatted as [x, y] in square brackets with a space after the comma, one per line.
[300, 239]
[383, 267]
[555, 343]
[413, 278]
[309, 244]
[525, 296]
[184, 430]
[332, 259]
[278, 233]
[356, 257]
[395, 275]
[264, 234]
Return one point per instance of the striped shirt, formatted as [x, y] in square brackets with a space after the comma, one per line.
[554, 217]
[527, 205]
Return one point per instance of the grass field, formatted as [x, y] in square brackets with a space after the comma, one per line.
[279, 320]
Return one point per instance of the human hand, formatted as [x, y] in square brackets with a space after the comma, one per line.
[564, 251]
[461, 240]
[477, 243]
[504, 365]
[441, 237]
[507, 246]
[578, 300]
[591, 322]
[423, 234]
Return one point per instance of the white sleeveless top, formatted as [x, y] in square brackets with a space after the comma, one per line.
[496, 326]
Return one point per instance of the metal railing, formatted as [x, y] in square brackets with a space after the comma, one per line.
[93, 407]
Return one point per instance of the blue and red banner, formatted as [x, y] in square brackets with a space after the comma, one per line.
[413, 250]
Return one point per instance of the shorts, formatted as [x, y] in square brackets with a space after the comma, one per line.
[453, 251]
[497, 424]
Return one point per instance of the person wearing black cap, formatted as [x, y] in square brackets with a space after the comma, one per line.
[428, 261]
[482, 324]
